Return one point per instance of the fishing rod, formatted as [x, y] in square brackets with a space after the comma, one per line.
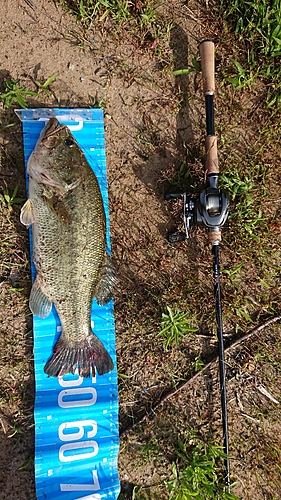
[211, 210]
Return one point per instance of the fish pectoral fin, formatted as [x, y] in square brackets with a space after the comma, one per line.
[27, 214]
[103, 292]
[61, 210]
[39, 304]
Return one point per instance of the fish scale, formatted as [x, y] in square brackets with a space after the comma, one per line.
[69, 249]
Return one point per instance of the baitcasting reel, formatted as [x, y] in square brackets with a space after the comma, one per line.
[209, 209]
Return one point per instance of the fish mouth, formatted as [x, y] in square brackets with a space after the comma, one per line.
[43, 178]
[38, 166]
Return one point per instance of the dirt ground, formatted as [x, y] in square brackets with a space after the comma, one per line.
[151, 119]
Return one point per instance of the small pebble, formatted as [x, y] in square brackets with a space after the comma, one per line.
[70, 65]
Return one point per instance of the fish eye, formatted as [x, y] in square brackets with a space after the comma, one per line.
[69, 142]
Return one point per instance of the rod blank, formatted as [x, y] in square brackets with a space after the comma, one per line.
[217, 294]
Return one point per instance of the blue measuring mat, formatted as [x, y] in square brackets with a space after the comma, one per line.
[76, 418]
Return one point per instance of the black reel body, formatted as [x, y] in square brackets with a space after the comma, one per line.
[210, 209]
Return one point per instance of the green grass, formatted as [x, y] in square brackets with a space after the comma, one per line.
[14, 94]
[245, 191]
[259, 23]
[9, 200]
[89, 11]
[17, 95]
[258, 28]
[45, 86]
[175, 324]
[197, 472]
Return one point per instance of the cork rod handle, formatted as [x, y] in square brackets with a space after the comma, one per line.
[207, 54]
[212, 163]
[208, 71]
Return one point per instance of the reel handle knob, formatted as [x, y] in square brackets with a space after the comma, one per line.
[175, 237]
[170, 196]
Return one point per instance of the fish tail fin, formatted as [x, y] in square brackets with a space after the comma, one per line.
[86, 356]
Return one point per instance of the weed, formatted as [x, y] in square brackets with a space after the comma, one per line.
[135, 492]
[183, 177]
[45, 86]
[89, 10]
[5, 127]
[194, 67]
[121, 11]
[148, 14]
[242, 312]
[175, 324]
[244, 189]
[258, 24]
[29, 461]
[233, 273]
[196, 473]
[243, 78]
[117, 9]
[198, 364]
[236, 184]
[97, 102]
[15, 94]
[10, 200]
[15, 430]
[150, 449]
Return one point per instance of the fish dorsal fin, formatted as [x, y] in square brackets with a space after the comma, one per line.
[39, 304]
[27, 214]
[103, 292]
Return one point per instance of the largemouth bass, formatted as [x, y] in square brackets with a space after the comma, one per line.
[66, 212]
